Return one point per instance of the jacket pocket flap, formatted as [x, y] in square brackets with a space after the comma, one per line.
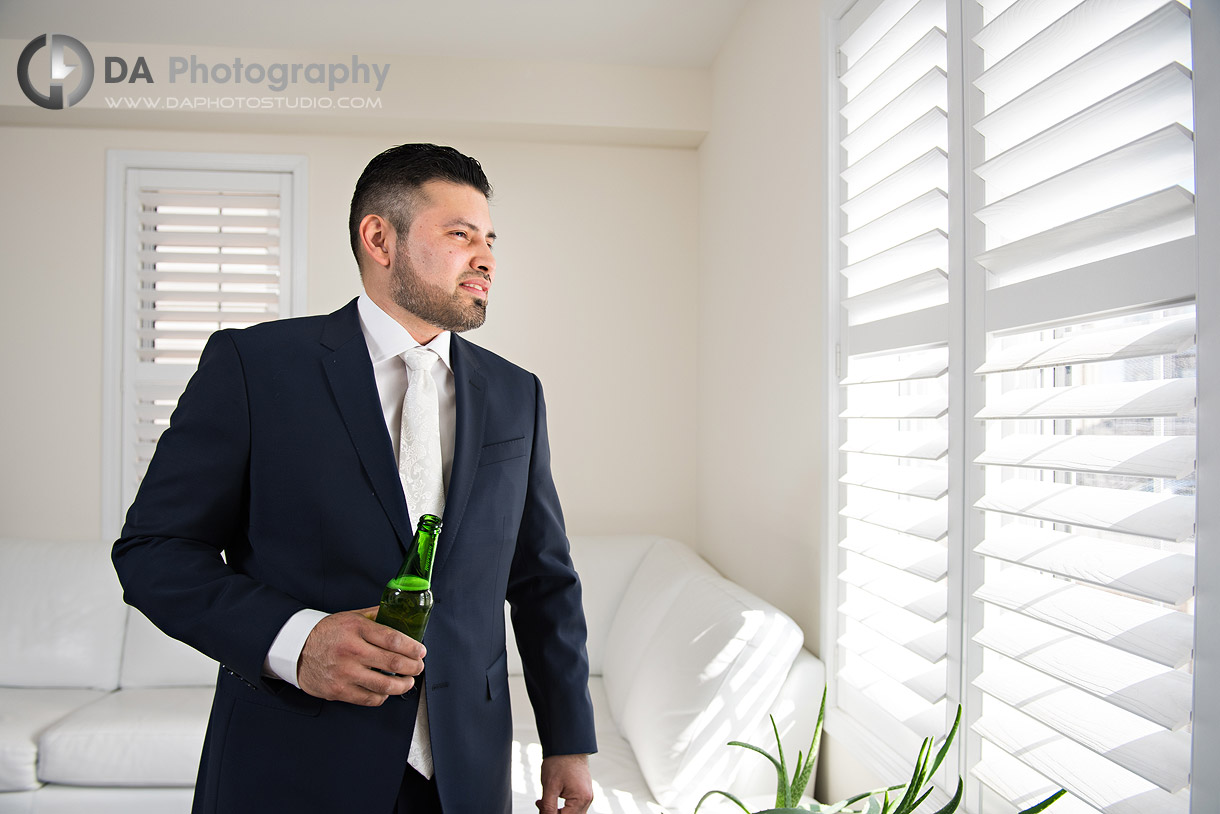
[503, 450]
[497, 677]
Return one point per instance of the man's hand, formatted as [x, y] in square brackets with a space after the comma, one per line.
[565, 776]
[342, 656]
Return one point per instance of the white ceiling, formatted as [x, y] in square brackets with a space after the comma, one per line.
[672, 33]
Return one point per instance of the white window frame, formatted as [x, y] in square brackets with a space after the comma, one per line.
[115, 340]
[967, 331]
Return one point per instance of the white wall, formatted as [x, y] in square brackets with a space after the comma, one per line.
[762, 344]
[593, 292]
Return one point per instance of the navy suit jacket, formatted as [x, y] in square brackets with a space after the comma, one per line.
[275, 489]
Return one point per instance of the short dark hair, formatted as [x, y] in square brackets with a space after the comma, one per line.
[390, 184]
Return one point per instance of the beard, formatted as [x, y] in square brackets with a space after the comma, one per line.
[447, 310]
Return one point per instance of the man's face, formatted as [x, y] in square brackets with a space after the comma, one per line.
[443, 266]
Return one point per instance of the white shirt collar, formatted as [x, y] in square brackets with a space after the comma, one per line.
[386, 337]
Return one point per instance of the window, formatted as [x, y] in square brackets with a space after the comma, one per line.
[1017, 299]
[197, 243]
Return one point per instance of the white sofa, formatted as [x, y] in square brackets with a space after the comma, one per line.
[101, 712]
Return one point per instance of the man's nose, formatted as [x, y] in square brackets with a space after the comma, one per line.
[485, 262]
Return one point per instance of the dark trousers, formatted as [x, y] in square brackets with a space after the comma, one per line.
[417, 794]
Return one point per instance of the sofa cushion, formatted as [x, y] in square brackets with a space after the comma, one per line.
[133, 737]
[152, 659]
[63, 615]
[24, 714]
[711, 670]
[648, 596]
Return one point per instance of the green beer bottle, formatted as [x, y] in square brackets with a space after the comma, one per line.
[407, 598]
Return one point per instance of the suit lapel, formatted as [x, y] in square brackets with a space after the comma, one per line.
[470, 387]
[350, 373]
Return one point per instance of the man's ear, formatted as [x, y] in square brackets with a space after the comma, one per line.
[377, 239]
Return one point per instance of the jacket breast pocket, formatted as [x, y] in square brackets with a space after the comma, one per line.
[503, 451]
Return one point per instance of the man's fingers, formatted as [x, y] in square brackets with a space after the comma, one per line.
[347, 657]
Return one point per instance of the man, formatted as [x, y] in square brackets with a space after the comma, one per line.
[273, 513]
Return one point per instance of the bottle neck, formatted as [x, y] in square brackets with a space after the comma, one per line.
[416, 571]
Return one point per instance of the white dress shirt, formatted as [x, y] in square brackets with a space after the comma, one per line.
[387, 340]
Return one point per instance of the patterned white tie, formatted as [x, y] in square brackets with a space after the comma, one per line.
[419, 468]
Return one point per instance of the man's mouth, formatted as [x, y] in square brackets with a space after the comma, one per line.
[477, 287]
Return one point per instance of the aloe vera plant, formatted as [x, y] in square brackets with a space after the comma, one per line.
[905, 798]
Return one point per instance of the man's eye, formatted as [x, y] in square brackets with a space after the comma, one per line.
[460, 233]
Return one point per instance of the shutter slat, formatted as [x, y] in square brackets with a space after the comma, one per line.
[154, 218]
[920, 557]
[929, 171]
[1153, 219]
[1066, 39]
[1158, 338]
[1098, 781]
[925, 679]
[226, 297]
[1169, 397]
[929, 92]
[1151, 457]
[908, 368]
[926, 213]
[922, 597]
[923, 16]
[1139, 746]
[1161, 576]
[1156, 515]
[1152, 691]
[924, 719]
[916, 293]
[235, 200]
[928, 446]
[236, 317]
[224, 240]
[208, 277]
[210, 258]
[924, 638]
[1160, 39]
[929, 52]
[1157, 100]
[900, 407]
[902, 262]
[1016, 782]
[928, 132]
[1118, 177]
[922, 482]
[929, 522]
[1141, 628]
[1017, 23]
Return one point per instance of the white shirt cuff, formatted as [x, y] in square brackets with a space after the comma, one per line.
[281, 661]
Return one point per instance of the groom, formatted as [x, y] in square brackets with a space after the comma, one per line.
[273, 513]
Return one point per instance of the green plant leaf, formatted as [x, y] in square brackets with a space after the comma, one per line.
[782, 797]
[802, 780]
[858, 797]
[754, 748]
[722, 794]
[917, 778]
[944, 748]
[952, 805]
[1045, 804]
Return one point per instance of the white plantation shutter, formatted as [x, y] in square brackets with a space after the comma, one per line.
[1083, 663]
[205, 250]
[1016, 454]
[891, 562]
